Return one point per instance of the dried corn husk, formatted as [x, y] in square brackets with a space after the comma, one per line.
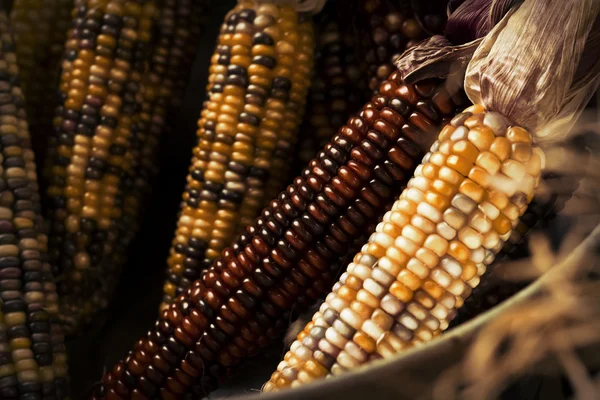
[538, 65]
[526, 68]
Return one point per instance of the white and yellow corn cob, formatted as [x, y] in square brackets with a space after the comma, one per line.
[427, 254]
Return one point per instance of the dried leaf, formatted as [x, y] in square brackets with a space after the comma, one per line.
[527, 67]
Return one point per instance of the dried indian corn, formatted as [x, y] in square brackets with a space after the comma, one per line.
[99, 82]
[258, 83]
[291, 254]
[335, 90]
[32, 352]
[427, 254]
[387, 30]
[40, 28]
[125, 64]
[543, 208]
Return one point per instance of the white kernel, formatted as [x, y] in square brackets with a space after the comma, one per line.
[423, 224]
[527, 185]
[337, 369]
[351, 318]
[413, 234]
[454, 218]
[427, 256]
[419, 170]
[451, 266]
[511, 211]
[489, 210]
[440, 277]
[409, 321]
[440, 312]
[431, 323]
[335, 338]
[437, 244]
[362, 271]
[459, 133]
[419, 182]
[391, 305]
[327, 347]
[383, 239]
[374, 288]
[370, 328]
[346, 360]
[477, 255]
[474, 282]
[480, 222]
[449, 175]
[417, 310]
[303, 353]
[445, 231]
[430, 212]
[355, 351]
[458, 288]
[418, 268]
[414, 195]
[282, 365]
[406, 246]
[513, 169]
[338, 304]
[382, 277]
[463, 203]
[470, 238]
[447, 300]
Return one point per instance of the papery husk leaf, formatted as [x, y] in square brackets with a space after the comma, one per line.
[528, 67]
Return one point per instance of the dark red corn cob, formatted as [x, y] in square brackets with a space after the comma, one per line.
[335, 92]
[287, 258]
[388, 28]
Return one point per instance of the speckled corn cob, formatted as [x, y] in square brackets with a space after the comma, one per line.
[100, 79]
[257, 89]
[291, 254]
[40, 28]
[542, 209]
[427, 254]
[335, 92]
[32, 352]
[387, 29]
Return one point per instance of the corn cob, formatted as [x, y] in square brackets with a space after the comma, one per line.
[387, 30]
[40, 28]
[290, 255]
[257, 88]
[32, 352]
[427, 254]
[335, 93]
[542, 209]
[100, 79]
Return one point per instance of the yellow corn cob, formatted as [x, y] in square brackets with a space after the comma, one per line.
[40, 29]
[427, 254]
[257, 88]
[32, 352]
